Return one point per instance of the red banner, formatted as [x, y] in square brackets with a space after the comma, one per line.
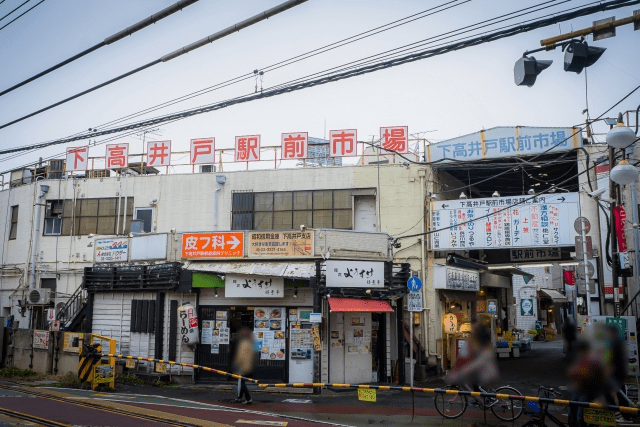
[621, 219]
[569, 277]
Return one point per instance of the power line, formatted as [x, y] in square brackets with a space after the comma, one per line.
[20, 16]
[410, 58]
[107, 41]
[186, 49]
[15, 9]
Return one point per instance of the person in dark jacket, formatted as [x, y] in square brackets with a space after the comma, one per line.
[243, 361]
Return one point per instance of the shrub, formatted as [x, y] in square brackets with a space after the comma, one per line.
[17, 373]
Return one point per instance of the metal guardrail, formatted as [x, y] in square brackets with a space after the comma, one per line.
[72, 307]
[536, 399]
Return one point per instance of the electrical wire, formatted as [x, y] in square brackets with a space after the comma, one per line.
[20, 16]
[172, 55]
[360, 71]
[156, 17]
[15, 9]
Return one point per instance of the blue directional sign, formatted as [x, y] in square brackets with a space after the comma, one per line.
[414, 284]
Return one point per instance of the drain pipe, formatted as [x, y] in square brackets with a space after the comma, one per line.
[220, 179]
[44, 189]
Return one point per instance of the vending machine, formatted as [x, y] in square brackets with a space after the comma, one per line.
[300, 347]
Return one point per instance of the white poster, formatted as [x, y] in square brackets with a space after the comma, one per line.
[112, 250]
[502, 222]
[237, 286]
[355, 274]
[207, 331]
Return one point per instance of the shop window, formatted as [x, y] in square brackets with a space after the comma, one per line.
[288, 210]
[96, 216]
[13, 231]
[53, 217]
[143, 316]
[146, 215]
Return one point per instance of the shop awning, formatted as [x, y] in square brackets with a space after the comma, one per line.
[460, 296]
[556, 296]
[291, 270]
[359, 305]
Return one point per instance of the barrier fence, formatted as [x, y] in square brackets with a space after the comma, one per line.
[536, 399]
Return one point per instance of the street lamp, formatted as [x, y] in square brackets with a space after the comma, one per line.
[619, 137]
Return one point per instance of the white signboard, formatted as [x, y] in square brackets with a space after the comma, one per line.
[242, 286]
[520, 221]
[151, 246]
[315, 317]
[112, 250]
[505, 142]
[355, 274]
[414, 302]
[453, 278]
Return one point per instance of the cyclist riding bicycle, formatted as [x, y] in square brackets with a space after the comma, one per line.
[479, 366]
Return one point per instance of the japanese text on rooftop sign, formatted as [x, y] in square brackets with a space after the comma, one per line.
[117, 156]
[247, 148]
[295, 145]
[238, 286]
[355, 274]
[159, 153]
[203, 151]
[542, 221]
[281, 244]
[212, 245]
[395, 138]
[77, 159]
[505, 142]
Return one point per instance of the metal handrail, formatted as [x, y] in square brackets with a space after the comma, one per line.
[72, 307]
[631, 302]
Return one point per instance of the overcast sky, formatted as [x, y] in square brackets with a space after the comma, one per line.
[437, 98]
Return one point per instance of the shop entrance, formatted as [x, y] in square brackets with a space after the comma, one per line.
[224, 323]
[357, 353]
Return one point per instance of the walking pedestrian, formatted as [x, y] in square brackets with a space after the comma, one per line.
[243, 361]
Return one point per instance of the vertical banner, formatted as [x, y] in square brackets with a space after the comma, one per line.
[343, 143]
[203, 151]
[247, 148]
[159, 153]
[569, 277]
[77, 159]
[621, 217]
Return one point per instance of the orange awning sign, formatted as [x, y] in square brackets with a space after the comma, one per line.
[213, 245]
[359, 305]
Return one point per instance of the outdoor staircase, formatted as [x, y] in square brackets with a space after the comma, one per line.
[631, 309]
[73, 313]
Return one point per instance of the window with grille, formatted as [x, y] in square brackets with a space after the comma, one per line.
[53, 217]
[96, 216]
[288, 210]
[13, 231]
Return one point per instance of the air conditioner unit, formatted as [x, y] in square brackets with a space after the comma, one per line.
[207, 168]
[40, 297]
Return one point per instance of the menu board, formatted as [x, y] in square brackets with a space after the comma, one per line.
[207, 332]
[269, 325]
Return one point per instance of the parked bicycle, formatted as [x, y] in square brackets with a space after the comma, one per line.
[541, 411]
[451, 404]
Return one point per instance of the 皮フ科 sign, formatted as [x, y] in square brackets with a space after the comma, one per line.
[213, 245]
[112, 250]
[504, 222]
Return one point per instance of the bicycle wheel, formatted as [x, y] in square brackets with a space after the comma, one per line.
[507, 409]
[450, 405]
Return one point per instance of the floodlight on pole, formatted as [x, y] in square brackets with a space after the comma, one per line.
[578, 55]
[527, 69]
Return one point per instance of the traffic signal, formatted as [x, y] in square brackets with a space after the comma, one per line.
[578, 55]
[527, 69]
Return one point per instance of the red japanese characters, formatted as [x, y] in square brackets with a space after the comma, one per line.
[77, 158]
[295, 145]
[247, 148]
[117, 156]
[159, 153]
[343, 143]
